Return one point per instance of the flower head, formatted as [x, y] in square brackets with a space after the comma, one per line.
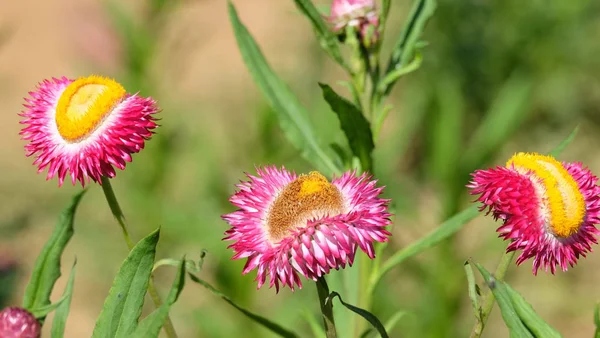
[290, 225]
[360, 15]
[18, 323]
[85, 127]
[549, 209]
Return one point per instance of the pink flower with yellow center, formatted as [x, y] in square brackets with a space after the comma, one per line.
[85, 127]
[290, 225]
[18, 323]
[549, 209]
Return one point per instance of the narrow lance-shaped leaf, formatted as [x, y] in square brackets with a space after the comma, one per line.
[514, 324]
[46, 270]
[62, 311]
[473, 292]
[371, 318]
[529, 317]
[404, 50]
[355, 126]
[151, 325]
[293, 117]
[273, 327]
[328, 40]
[123, 306]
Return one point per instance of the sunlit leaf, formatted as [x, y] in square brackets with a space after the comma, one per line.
[292, 115]
[514, 324]
[473, 290]
[46, 270]
[62, 311]
[151, 325]
[123, 306]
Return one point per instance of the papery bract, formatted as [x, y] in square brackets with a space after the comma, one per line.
[549, 209]
[85, 127]
[290, 225]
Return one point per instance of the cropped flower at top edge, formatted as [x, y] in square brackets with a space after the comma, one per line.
[549, 209]
[362, 15]
[289, 225]
[85, 127]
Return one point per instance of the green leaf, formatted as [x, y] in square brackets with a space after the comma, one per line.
[529, 317]
[355, 126]
[404, 50]
[123, 306]
[293, 117]
[509, 314]
[62, 311]
[445, 230]
[371, 318]
[273, 327]
[46, 270]
[473, 294]
[151, 325]
[397, 73]
[559, 149]
[328, 40]
[44, 310]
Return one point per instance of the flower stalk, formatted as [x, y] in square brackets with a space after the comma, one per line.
[117, 212]
[326, 306]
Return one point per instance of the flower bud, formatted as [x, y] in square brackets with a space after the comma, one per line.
[18, 323]
[360, 15]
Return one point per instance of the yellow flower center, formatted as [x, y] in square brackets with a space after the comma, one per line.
[306, 197]
[562, 197]
[84, 104]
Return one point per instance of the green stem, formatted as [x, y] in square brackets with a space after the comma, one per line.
[115, 208]
[326, 308]
[489, 299]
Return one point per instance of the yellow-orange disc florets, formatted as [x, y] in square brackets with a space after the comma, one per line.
[564, 201]
[84, 104]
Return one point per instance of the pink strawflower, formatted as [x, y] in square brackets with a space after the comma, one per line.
[549, 209]
[290, 225]
[362, 15]
[85, 127]
[18, 323]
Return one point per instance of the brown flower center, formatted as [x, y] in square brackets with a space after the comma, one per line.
[307, 197]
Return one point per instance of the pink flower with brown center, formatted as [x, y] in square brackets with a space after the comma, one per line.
[549, 209]
[290, 225]
[18, 323]
[85, 127]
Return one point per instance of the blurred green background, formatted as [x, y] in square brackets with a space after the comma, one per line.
[497, 77]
